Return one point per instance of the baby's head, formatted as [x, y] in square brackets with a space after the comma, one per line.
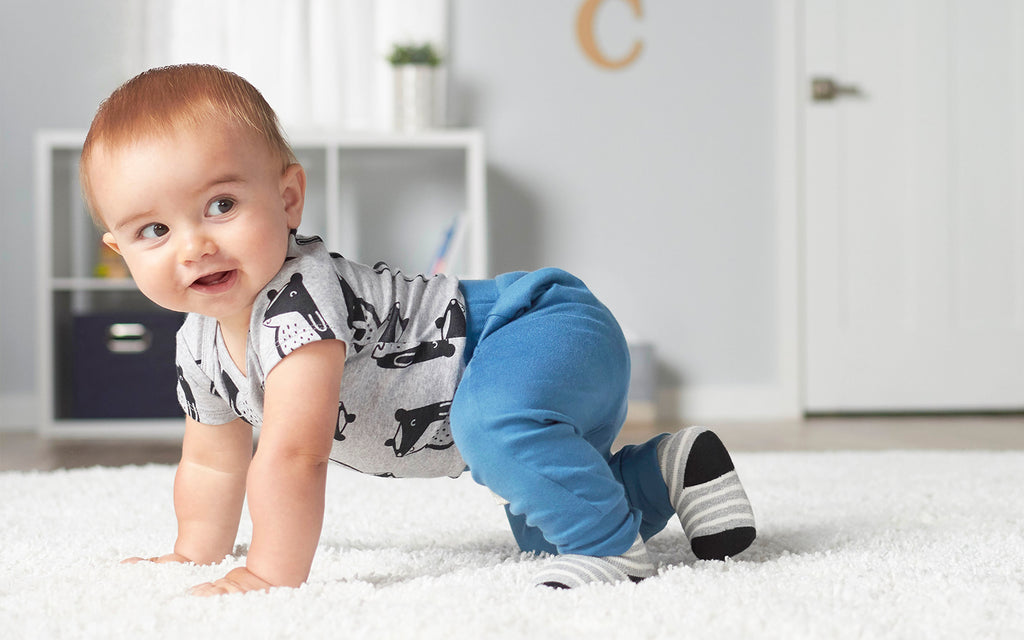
[165, 100]
[187, 171]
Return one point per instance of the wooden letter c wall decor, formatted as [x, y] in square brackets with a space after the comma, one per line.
[585, 34]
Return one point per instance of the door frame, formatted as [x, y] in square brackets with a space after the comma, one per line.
[790, 97]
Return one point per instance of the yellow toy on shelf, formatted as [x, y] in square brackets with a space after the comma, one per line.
[110, 264]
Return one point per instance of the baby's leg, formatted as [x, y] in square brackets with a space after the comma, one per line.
[637, 468]
[535, 415]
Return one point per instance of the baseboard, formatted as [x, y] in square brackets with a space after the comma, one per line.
[739, 402]
[18, 412]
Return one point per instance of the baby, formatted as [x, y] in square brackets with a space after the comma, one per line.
[520, 380]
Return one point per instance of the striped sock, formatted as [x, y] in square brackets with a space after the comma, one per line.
[706, 493]
[568, 571]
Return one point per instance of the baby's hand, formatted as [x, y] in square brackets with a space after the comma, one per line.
[238, 580]
[169, 557]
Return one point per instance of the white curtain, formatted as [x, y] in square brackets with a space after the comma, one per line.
[320, 63]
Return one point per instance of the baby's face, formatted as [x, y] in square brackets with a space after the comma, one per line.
[201, 217]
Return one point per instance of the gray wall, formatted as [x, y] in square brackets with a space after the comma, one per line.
[653, 183]
[58, 59]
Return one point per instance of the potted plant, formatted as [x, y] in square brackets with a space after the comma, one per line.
[405, 54]
[415, 68]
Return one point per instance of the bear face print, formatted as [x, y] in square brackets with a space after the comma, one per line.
[189, 397]
[453, 323]
[344, 419]
[392, 353]
[295, 317]
[232, 390]
[241, 408]
[411, 435]
[362, 317]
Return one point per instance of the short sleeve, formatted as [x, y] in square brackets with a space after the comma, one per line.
[301, 305]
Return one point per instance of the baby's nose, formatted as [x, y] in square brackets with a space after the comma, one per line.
[194, 246]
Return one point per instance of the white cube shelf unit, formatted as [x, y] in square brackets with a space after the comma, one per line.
[68, 245]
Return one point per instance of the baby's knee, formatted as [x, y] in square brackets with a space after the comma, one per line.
[488, 430]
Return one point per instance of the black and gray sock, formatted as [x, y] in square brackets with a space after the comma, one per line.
[706, 493]
[568, 571]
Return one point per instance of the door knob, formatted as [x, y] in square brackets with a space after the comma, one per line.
[827, 89]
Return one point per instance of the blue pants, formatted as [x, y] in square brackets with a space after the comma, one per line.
[541, 401]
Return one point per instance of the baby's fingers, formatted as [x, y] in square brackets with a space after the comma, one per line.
[238, 580]
[136, 559]
[216, 588]
[169, 557]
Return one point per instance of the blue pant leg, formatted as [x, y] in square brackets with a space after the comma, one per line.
[539, 405]
[528, 538]
[636, 467]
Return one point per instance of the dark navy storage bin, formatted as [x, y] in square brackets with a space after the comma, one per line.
[123, 365]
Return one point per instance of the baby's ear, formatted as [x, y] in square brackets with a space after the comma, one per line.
[293, 192]
[108, 239]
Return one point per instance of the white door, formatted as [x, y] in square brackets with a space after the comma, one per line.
[914, 205]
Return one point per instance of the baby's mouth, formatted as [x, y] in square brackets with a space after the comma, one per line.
[213, 279]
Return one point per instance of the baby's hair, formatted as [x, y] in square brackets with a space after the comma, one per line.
[159, 101]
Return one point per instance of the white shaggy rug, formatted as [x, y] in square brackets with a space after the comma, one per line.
[851, 545]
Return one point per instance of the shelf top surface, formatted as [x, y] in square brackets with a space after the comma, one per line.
[92, 284]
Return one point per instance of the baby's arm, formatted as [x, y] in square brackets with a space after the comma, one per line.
[209, 489]
[288, 475]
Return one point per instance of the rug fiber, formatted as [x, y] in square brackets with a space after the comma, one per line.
[851, 545]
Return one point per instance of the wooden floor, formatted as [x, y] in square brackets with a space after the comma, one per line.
[26, 451]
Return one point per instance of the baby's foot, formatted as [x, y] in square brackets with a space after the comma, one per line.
[568, 571]
[706, 493]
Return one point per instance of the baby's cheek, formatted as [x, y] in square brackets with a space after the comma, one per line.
[157, 289]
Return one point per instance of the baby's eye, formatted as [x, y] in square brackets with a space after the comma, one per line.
[220, 206]
[153, 231]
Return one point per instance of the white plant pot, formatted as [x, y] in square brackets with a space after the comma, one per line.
[414, 97]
